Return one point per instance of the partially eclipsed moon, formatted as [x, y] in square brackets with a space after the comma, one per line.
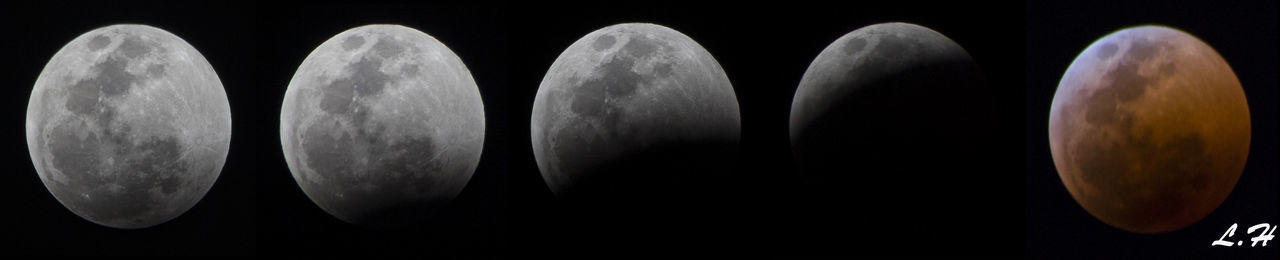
[877, 99]
[631, 105]
[1149, 129]
[381, 123]
[128, 126]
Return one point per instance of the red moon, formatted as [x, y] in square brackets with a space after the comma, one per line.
[1149, 129]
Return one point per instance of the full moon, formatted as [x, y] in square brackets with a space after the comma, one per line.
[631, 109]
[381, 125]
[1149, 129]
[128, 126]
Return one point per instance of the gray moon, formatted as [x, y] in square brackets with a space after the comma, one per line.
[885, 125]
[381, 120]
[627, 92]
[1149, 129]
[877, 97]
[128, 126]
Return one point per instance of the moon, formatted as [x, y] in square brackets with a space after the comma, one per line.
[1149, 129]
[884, 122]
[382, 124]
[876, 98]
[630, 110]
[128, 126]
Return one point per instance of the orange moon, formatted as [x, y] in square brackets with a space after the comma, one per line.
[1149, 129]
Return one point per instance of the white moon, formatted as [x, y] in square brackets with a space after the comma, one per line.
[128, 126]
[382, 120]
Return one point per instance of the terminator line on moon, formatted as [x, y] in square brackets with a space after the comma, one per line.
[128, 126]
[1149, 129]
[381, 120]
[880, 89]
[869, 106]
[620, 90]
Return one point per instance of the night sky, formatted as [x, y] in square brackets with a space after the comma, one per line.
[1020, 207]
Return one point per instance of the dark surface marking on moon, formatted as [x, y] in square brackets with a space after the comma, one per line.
[1178, 167]
[133, 47]
[1143, 50]
[338, 96]
[604, 42]
[1127, 84]
[662, 70]
[409, 70]
[158, 159]
[405, 162]
[890, 47]
[117, 134]
[1123, 85]
[893, 46]
[854, 45]
[99, 42]
[366, 80]
[327, 154]
[388, 47]
[640, 46]
[82, 98]
[352, 42]
[573, 147]
[76, 157]
[113, 206]
[396, 168]
[85, 96]
[155, 162]
[588, 99]
[1168, 69]
[155, 70]
[113, 78]
[617, 79]
[1107, 50]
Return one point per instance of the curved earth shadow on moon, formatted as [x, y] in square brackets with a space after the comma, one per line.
[911, 152]
[642, 143]
[389, 134]
[685, 188]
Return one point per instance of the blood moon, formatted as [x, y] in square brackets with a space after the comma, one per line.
[1149, 129]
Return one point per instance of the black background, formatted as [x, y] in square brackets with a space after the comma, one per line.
[256, 207]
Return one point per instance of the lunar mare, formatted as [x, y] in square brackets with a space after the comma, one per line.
[1149, 129]
[128, 126]
[625, 100]
[381, 120]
